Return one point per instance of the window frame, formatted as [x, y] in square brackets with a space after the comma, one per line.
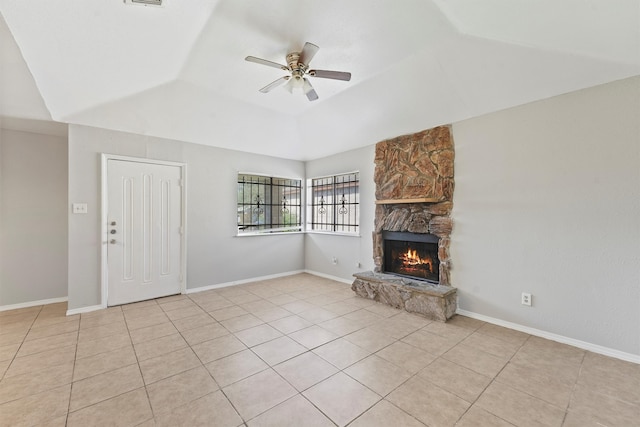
[268, 203]
[335, 203]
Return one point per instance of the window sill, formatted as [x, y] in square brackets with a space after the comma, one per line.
[333, 233]
[277, 233]
[280, 233]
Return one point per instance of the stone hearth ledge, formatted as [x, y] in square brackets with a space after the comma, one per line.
[435, 302]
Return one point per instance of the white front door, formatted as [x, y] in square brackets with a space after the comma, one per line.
[144, 229]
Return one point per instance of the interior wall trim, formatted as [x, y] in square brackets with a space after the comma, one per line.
[196, 290]
[85, 309]
[328, 276]
[242, 282]
[595, 348]
[32, 303]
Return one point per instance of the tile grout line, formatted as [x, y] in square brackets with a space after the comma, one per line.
[21, 343]
[415, 375]
[309, 350]
[276, 372]
[339, 370]
[135, 354]
[202, 364]
[40, 310]
[493, 379]
[573, 388]
[73, 372]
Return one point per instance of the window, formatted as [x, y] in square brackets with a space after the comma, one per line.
[268, 205]
[335, 203]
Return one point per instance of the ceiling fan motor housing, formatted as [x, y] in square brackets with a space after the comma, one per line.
[293, 60]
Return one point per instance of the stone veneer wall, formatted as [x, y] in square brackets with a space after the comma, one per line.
[414, 189]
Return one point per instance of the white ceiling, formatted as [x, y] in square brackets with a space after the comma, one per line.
[178, 71]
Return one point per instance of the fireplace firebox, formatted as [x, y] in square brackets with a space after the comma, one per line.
[412, 255]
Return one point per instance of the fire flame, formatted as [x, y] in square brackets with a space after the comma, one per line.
[412, 258]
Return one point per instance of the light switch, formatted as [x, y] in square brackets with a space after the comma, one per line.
[79, 208]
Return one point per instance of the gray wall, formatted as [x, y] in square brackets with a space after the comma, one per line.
[33, 217]
[350, 250]
[1, 204]
[214, 254]
[547, 201]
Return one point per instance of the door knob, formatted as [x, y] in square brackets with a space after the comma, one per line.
[113, 232]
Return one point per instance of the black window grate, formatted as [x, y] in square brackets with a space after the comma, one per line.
[335, 203]
[269, 204]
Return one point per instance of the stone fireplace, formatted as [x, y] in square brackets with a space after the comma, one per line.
[414, 193]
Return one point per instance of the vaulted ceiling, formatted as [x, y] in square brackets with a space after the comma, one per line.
[178, 71]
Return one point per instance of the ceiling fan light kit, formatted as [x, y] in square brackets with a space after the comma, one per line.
[298, 68]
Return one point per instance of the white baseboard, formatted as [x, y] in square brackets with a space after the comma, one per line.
[200, 289]
[595, 348]
[330, 277]
[242, 282]
[85, 309]
[33, 303]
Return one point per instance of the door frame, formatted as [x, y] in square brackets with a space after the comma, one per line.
[104, 232]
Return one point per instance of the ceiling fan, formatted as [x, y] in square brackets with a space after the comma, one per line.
[298, 67]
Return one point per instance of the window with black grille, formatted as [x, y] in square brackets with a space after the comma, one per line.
[268, 204]
[335, 202]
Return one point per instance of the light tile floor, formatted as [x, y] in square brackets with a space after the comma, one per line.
[296, 351]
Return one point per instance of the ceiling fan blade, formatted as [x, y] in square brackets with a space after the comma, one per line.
[275, 84]
[308, 52]
[309, 91]
[265, 62]
[326, 74]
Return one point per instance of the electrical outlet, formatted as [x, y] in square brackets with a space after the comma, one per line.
[526, 299]
[79, 208]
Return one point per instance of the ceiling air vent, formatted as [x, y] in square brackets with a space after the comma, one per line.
[145, 2]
